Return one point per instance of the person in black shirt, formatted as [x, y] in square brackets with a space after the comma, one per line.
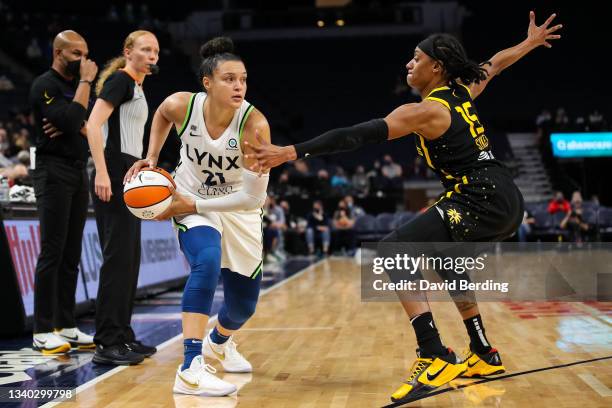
[120, 113]
[60, 96]
[480, 201]
[318, 228]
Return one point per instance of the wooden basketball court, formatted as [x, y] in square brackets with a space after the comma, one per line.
[313, 343]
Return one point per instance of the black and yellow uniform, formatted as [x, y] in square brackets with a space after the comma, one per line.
[480, 201]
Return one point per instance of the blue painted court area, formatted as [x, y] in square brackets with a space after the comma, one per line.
[154, 321]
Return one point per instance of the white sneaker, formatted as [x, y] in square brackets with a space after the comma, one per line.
[199, 379]
[49, 343]
[231, 360]
[76, 338]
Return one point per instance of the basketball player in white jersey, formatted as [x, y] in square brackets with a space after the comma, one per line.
[217, 209]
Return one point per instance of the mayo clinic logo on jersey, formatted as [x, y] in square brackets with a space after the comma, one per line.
[215, 191]
[232, 144]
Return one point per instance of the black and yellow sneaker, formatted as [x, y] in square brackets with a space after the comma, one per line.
[482, 365]
[428, 374]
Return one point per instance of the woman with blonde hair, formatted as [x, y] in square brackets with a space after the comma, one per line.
[115, 133]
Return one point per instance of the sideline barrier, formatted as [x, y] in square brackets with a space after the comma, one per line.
[162, 265]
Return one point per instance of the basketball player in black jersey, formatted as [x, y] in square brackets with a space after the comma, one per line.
[480, 201]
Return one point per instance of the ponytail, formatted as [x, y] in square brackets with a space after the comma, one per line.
[111, 67]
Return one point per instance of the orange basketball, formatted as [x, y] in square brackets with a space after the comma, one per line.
[148, 195]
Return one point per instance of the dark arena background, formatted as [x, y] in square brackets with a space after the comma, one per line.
[317, 339]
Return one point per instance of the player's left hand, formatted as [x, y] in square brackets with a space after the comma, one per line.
[541, 35]
[180, 205]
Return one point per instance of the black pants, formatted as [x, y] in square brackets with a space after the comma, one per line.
[119, 233]
[61, 197]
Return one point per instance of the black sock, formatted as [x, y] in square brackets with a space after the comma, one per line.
[476, 331]
[427, 336]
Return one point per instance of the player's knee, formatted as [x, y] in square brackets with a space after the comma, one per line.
[202, 283]
[243, 310]
[240, 310]
[199, 291]
[235, 314]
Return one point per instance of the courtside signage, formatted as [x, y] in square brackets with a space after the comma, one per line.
[161, 259]
[594, 144]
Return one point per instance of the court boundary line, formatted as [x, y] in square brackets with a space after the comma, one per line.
[501, 377]
[174, 339]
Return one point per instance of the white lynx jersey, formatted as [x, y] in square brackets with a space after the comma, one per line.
[207, 167]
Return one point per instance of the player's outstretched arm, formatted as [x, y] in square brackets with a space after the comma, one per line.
[266, 155]
[536, 36]
[403, 121]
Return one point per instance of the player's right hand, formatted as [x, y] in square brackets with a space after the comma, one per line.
[89, 69]
[136, 167]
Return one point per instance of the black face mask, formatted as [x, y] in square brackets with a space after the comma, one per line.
[73, 68]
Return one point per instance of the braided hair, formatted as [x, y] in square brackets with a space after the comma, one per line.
[450, 53]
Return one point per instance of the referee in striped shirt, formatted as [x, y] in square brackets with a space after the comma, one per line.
[119, 117]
